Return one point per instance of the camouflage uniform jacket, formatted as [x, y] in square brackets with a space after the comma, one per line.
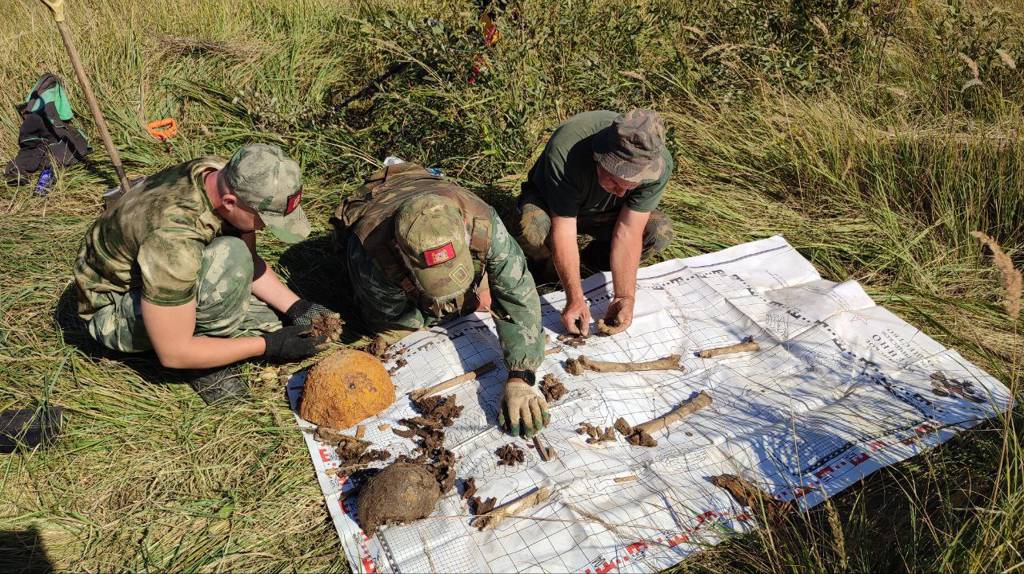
[151, 239]
[387, 308]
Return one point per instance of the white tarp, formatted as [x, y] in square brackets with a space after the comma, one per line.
[840, 388]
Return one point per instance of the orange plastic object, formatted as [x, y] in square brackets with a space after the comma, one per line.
[162, 130]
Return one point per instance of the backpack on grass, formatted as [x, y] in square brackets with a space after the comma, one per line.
[45, 138]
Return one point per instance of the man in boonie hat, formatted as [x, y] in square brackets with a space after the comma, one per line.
[171, 266]
[420, 250]
[601, 174]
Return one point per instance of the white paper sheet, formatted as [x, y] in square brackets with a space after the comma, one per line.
[840, 388]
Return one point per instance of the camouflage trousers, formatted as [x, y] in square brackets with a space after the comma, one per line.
[225, 305]
[532, 226]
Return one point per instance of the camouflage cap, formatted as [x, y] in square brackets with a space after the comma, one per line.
[631, 147]
[432, 238]
[269, 181]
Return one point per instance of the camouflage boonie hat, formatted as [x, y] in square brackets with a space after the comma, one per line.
[269, 181]
[432, 238]
[631, 147]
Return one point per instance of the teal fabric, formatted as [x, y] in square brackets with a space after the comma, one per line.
[55, 94]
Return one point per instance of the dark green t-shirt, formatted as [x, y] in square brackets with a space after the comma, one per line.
[566, 173]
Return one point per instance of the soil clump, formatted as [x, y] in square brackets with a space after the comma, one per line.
[623, 427]
[353, 452]
[640, 437]
[482, 506]
[327, 326]
[607, 328]
[443, 410]
[595, 433]
[510, 455]
[468, 488]
[746, 493]
[552, 388]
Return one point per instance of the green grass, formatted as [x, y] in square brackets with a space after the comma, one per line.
[848, 127]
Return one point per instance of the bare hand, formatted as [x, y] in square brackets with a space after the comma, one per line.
[576, 317]
[619, 316]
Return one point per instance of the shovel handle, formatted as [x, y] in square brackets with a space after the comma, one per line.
[57, 7]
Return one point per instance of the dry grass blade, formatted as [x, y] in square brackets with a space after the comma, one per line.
[1011, 276]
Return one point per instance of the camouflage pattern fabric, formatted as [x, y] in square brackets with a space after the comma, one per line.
[151, 239]
[515, 306]
[225, 306]
[533, 226]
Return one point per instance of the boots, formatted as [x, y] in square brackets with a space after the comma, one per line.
[220, 384]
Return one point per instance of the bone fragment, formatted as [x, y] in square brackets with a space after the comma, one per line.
[546, 452]
[702, 400]
[583, 363]
[746, 345]
[453, 382]
[491, 519]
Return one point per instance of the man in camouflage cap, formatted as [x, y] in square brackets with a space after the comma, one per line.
[172, 266]
[601, 174]
[420, 250]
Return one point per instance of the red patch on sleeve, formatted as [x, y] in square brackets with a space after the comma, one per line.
[439, 255]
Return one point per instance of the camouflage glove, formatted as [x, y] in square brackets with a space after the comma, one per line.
[302, 312]
[291, 344]
[523, 407]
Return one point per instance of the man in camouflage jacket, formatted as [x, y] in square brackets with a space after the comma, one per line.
[420, 250]
[171, 266]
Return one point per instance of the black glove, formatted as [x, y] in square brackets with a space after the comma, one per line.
[291, 344]
[302, 312]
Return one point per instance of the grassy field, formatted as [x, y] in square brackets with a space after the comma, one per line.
[874, 135]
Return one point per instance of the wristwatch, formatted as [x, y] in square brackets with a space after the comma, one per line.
[529, 376]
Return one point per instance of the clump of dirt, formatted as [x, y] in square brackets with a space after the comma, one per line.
[468, 488]
[746, 493]
[510, 455]
[481, 506]
[428, 432]
[596, 433]
[552, 388]
[606, 328]
[623, 427]
[572, 340]
[443, 410]
[353, 452]
[574, 367]
[378, 347]
[327, 326]
[400, 493]
[641, 438]
[345, 388]
[401, 362]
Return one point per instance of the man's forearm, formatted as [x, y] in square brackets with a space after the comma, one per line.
[566, 256]
[269, 289]
[206, 352]
[625, 260]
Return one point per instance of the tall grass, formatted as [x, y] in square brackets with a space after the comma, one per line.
[875, 136]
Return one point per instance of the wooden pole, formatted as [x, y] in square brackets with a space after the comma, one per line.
[57, 7]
